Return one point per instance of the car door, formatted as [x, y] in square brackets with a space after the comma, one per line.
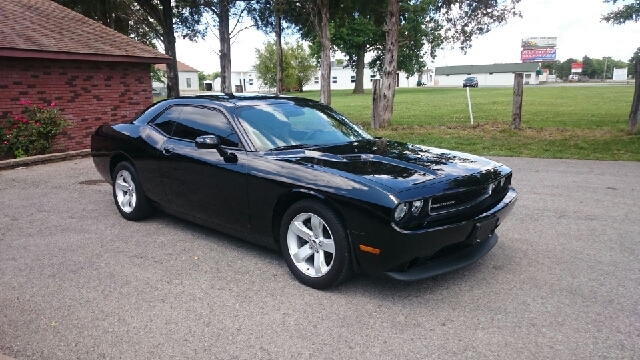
[154, 138]
[199, 182]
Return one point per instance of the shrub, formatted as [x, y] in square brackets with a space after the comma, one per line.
[33, 131]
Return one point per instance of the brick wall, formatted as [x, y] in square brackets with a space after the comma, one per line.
[88, 93]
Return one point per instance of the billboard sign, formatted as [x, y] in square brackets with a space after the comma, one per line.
[576, 67]
[539, 42]
[620, 74]
[538, 54]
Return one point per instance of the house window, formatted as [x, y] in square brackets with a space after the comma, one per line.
[468, 74]
[490, 73]
[353, 79]
[334, 79]
[316, 80]
[188, 83]
[250, 81]
[527, 76]
[372, 78]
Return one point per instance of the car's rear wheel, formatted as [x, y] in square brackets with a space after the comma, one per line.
[130, 199]
[315, 246]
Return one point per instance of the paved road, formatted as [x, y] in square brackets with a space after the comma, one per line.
[78, 281]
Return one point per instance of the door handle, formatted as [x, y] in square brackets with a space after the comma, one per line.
[168, 150]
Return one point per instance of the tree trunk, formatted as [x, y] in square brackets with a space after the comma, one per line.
[325, 57]
[516, 113]
[173, 82]
[390, 70]
[279, 65]
[359, 87]
[375, 114]
[225, 47]
[635, 105]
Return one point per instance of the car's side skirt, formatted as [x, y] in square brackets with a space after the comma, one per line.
[269, 243]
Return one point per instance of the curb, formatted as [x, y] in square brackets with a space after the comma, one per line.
[43, 159]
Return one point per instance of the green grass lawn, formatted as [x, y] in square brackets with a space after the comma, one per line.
[578, 122]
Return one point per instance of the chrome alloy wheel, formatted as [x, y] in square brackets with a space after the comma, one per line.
[310, 244]
[125, 191]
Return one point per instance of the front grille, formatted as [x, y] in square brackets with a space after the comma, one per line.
[457, 200]
[465, 198]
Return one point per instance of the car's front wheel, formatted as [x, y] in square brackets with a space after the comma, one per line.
[314, 243]
[130, 199]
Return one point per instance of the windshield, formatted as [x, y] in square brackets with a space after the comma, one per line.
[469, 79]
[287, 125]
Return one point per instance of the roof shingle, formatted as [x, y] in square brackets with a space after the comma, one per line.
[44, 27]
[181, 67]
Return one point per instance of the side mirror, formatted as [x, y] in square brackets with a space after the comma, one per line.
[213, 142]
[207, 142]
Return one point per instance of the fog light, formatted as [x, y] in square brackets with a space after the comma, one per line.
[416, 206]
[401, 211]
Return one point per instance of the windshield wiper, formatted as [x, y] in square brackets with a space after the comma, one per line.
[294, 146]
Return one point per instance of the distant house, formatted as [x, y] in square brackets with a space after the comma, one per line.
[94, 75]
[187, 77]
[341, 79]
[488, 75]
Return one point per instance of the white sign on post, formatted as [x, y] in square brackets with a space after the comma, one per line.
[619, 74]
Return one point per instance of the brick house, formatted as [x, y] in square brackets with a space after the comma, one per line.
[95, 75]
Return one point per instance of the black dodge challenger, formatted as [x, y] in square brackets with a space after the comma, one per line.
[295, 175]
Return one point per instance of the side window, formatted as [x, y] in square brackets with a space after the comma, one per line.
[195, 121]
[167, 120]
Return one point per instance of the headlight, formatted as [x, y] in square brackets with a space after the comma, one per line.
[416, 206]
[401, 211]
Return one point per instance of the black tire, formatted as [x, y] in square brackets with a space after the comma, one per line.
[340, 267]
[141, 207]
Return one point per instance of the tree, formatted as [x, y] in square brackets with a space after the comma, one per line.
[623, 14]
[299, 66]
[266, 65]
[164, 19]
[311, 19]
[588, 68]
[356, 30]
[267, 16]
[390, 69]
[222, 11]
[122, 16]
[418, 38]
[632, 61]
[303, 66]
[461, 21]
[201, 79]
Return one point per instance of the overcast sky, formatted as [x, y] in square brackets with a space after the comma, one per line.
[576, 24]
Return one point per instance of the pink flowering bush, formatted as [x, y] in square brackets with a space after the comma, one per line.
[32, 132]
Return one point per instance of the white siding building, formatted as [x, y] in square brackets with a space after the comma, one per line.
[341, 79]
[487, 75]
[187, 77]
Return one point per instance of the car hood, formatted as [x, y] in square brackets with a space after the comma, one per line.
[397, 165]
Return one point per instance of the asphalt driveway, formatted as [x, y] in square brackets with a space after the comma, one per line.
[78, 281]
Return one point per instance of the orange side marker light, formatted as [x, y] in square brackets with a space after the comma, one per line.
[370, 249]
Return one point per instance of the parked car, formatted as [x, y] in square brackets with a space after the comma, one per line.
[471, 81]
[293, 174]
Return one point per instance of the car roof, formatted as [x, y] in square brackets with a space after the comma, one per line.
[239, 99]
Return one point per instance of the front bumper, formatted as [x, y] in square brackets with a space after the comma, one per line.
[414, 255]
